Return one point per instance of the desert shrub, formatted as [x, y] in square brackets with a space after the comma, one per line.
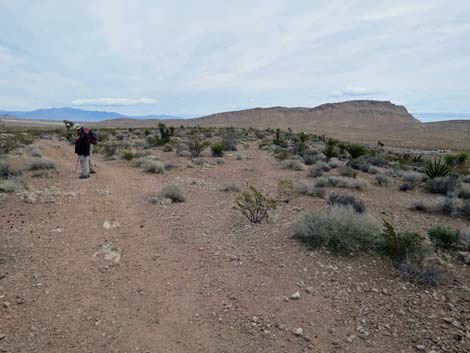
[413, 177]
[217, 149]
[334, 163]
[322, 182]
[282, 154]
[448, 185]
[200, 161]
[10, 185]
[109, 150]
[419, 272]
[309, 190]
[464, 194]
[406, 186]
[436, 168]
[35, 152]
[322, 166]
[254, 205]
[6, 171]
[355, 150]
[456, 159]
[137, 162]
[41, 164]
[285, 190]
[464, 241]
[444, 238]
[315, 172]
[383, 180]
[339, 229]
[230, 187]
[401, 246]
[150, 166]
[129, 155]
[364, 162]
[347, 172]
[330, 151]
[172, 192]
[167, 148]
[293, 164]
[454, 207]
[357, 204]
[348, 183]
[311, 156]
[196, 147]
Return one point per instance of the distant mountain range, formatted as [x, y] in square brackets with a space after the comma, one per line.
[74, 114]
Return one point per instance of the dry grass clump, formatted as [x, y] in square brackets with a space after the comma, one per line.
[150, 166]
[340, 229]
[448, 185]
[309, 189]
[230, 187]
[342, 182]
[412, 177]
[293, 164]
[41, 164]
[173, 192]
[451, 206]
[383, 180]
[357, 204]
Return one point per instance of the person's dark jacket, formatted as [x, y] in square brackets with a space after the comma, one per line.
[82, 145]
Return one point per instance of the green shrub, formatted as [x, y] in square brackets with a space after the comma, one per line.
[348, 183]
[330, 151]
[347, 200]
[406, 186]
[413, 177]
[419, 272]
[339, 229]
[364, 162]
[129, 155]
[355, 150]
[285, 190]
[383, 180]
[109, 150]
[444, 238]
[293, 164]
[400, 246]
[254, 205]
[217, 149]
[173, 192]
[436, 168]
[167, 148]
[7, 172]
[150, 166]
[41, 164]
[196, 147]
[10, 185]
[453, 160]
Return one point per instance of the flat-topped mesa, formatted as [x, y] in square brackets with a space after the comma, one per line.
[358, 114]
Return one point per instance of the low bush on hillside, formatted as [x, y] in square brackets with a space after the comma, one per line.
[444, 238]
[173, 192]
[10, 185]
[355, 150]
[293, 164]
[150, 166]
[254, 205]
[451, 206]
[196, 147]
[420, 272]
[413, 177]
[311, 156]
[309, 190]
[364, 162]
[448, 185]
[383, 180]
[357, 204]
[402, 246]
[347, 172]
[285, 190]
[230, 187]
[339, 229]
[217, 149]
[348, 183]
[407, 186]
[41, 164]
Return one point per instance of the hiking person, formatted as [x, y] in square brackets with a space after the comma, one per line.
[82, 149]
[93, 141]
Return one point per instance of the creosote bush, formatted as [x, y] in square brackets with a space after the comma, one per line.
[340, 229]
[172, 192]
[357, 204]
[254, 205]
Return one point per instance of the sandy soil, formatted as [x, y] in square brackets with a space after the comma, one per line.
[93, 266]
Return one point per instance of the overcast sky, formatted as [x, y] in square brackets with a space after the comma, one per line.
[199, 57]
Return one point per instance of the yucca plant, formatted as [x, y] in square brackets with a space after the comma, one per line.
[217, 149]
[436, 168]
[355, 150]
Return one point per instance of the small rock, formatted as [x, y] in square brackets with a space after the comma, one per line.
[19, 300]
[298, 331]
[6, 304]
[309, 290]
[295, 296]
[351, 338]
[420, 347]
[2, 336]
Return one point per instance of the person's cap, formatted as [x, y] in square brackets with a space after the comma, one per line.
[77, 127]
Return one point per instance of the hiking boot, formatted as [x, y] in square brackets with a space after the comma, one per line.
[84, 176]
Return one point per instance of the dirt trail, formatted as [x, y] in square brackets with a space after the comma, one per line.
[191, 277]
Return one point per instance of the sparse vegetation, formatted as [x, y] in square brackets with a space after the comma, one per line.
[41, 164]
[293, 164]
[230, 187]
[383, 180]
[173, 192]
[357, 204]
[150, 166]
[436, 168]
[217, 149]
[254, 205]
[444, 238]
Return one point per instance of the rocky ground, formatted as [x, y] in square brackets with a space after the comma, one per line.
[93, 266]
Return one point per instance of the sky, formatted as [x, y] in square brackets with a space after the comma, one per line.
[201, 57]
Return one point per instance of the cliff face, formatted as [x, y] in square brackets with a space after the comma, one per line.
[363, 114]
